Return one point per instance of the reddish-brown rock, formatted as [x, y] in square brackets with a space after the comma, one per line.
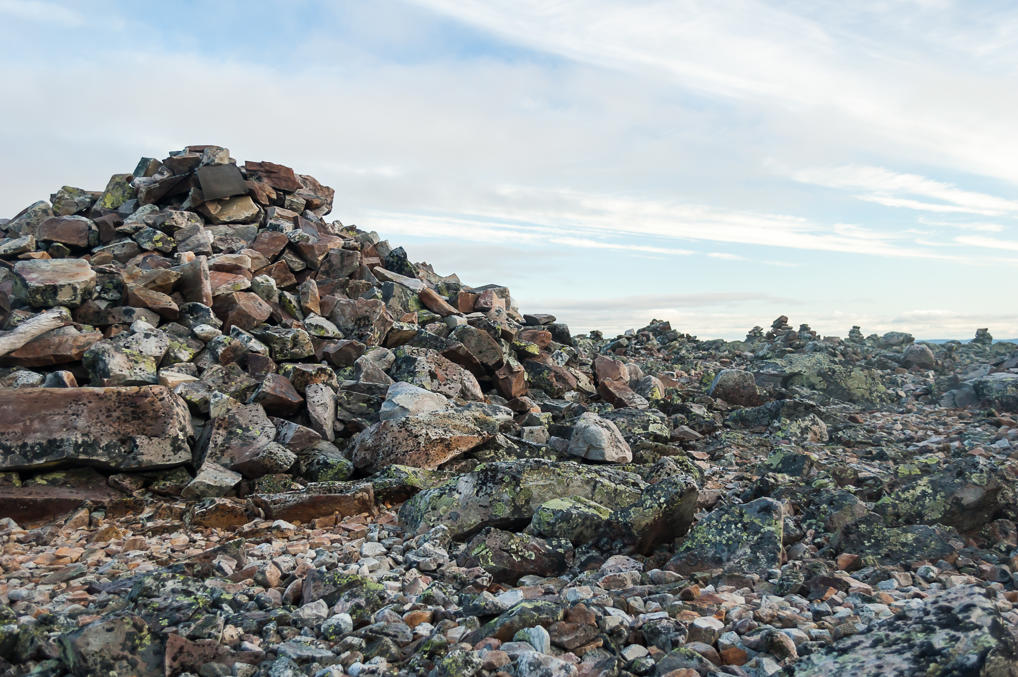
[74, 231]
[158, 302]
[279, 177]
[242, 309]
[423, 441]
[195, 284]
[60, 346]
[305, 506]
[118, 428]
[511, 381]
[435, 303]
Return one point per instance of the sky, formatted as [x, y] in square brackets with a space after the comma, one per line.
[711, 163]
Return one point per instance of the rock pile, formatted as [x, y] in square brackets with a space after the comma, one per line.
[239, 439]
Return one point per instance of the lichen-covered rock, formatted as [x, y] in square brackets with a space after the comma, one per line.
[663, 513]
[869, 536]
[116, 428]
[509, 556]
[952, 632]
[999, 390]
[47, 283]
[574, 518]
[114, 645]
[525, 614]
[506, 494]
[638, 425]
[427, 369]
[241, 438]
[397, 483]
[745, 538]
[361, 595]
[424, 440]
[366, 320]
[965, 494]
[130, 358]
[286, 344]
[596, 439]
[823, 374]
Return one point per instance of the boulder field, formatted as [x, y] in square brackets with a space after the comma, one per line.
[240, 439]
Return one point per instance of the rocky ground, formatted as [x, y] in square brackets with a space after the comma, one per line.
[238, 439]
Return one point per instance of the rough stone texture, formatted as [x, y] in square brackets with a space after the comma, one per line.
[429, 370]
[507, 494]
[596, 439]
[304, 507]
[424, 440]
[744, 538]
[405, 399]
[57, 282]
[953, 632]
[241, 438]
[211, 480]
[115, 428]
[736, 387]
[508, 556]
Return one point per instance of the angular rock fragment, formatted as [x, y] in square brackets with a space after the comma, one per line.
[596, 439]
[952, 632]
[55, 282]
[212, 480]
[738, 538]
[114, 428]
[506, 494]
[424, 440]
[509, 556]
[241, 438]
[405, 399]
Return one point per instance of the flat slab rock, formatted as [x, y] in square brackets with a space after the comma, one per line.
[953, 632]
[132, 428]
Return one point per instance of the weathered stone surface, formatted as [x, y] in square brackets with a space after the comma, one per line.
[113, 646]
[74, 231]
[306, 506]
[952, 632]
[744, 538]
[999, 390]
[574, 518]
[429, 370]
[506, 494]
[508, 556]
[241, 438]
[596, 439]
[965, 495]
[405, 399]
[365, 320]
[114, 428]
[126, 359]
[211, 480]
[55, 282]
[424, 440]
[735, 387]
[321, 407]
[240, 209]
[918, 356]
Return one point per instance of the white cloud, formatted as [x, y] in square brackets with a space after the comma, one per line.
[981, 226]
[888, 188]
[41, 12]
[863, 76]
[987, 242]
